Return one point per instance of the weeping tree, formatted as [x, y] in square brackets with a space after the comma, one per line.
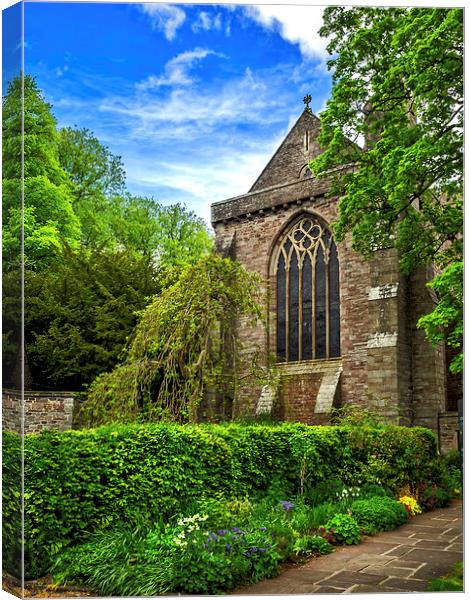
[184, 346]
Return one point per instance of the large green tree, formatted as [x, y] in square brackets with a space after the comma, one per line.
[94, 254]
[31, 173]
[49, 217]
[79, 315]
[97, 181]
[395, 119]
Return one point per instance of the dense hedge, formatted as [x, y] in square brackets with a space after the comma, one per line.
[11, 503]
[79, 481]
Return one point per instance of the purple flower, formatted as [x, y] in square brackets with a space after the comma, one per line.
[286, 505]
[262, 550]
[206, 545]
[221, 532]
[262, 529]
[253, 549]
[228, 547]
[235, 529]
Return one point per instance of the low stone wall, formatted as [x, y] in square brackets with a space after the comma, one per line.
[42, 410]
[448, 427]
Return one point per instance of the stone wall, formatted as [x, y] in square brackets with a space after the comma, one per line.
[253, 245]
[448, 426]
[42, 410]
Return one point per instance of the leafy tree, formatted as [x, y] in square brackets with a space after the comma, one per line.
[91, 166]
[78, 315]
[97, 176]
[177, 350]
[49, 215]
[398, 87]
[94, 254]
[174, 236]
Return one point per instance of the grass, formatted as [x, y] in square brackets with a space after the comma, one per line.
[449, 583]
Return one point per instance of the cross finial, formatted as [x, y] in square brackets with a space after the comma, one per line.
[307, 100]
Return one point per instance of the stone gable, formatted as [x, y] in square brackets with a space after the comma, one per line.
[298, 148]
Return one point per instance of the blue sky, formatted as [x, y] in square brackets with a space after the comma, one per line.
[195, 98]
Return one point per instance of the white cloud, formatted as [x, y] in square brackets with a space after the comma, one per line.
[202, 178]
[59, 71]
[206, 22]
[176, 70]
[165, 17]
[296, 24]
[246, 100]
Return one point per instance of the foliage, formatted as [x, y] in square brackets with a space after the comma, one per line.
[223, 512]
[312, 544]
[122, 561]
[345, 529]
[185, 557]
[210, 562]
[11, 503]
[379, 514]
[445, 322]
[184, 345]
[398, 84]
[449, 583]
[379, 458]
[78, 222]
[79, 315]
[411, 505]
[78, 482]
[370, 489]
[48, 207]
[433, 496]
[171, 235]
[355, 414]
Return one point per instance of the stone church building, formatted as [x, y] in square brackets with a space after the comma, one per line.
[342, 328]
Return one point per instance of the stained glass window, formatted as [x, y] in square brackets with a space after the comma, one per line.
[307, 286]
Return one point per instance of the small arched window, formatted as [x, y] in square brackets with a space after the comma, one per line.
[307, 286]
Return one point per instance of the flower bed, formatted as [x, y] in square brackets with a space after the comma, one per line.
[206, 553]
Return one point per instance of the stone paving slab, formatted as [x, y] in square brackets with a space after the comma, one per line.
[403, 560]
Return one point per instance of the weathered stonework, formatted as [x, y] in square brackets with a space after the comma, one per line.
[386, 364]
[448, 423]
[41, 410]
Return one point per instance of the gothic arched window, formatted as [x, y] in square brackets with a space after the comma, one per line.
[307, 285]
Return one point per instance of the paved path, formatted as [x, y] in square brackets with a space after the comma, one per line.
[403, 560]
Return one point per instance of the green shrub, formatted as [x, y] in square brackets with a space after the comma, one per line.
[322, 513]
[434, 496]
[11, 503]
[345, 529]
[124, 561]
[78, 482]
[370, 490]
[221, 511]
[212, 562]
[379, 514]
[312, 544]
[326, 491]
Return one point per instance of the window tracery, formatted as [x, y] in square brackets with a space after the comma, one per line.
[307, 283]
